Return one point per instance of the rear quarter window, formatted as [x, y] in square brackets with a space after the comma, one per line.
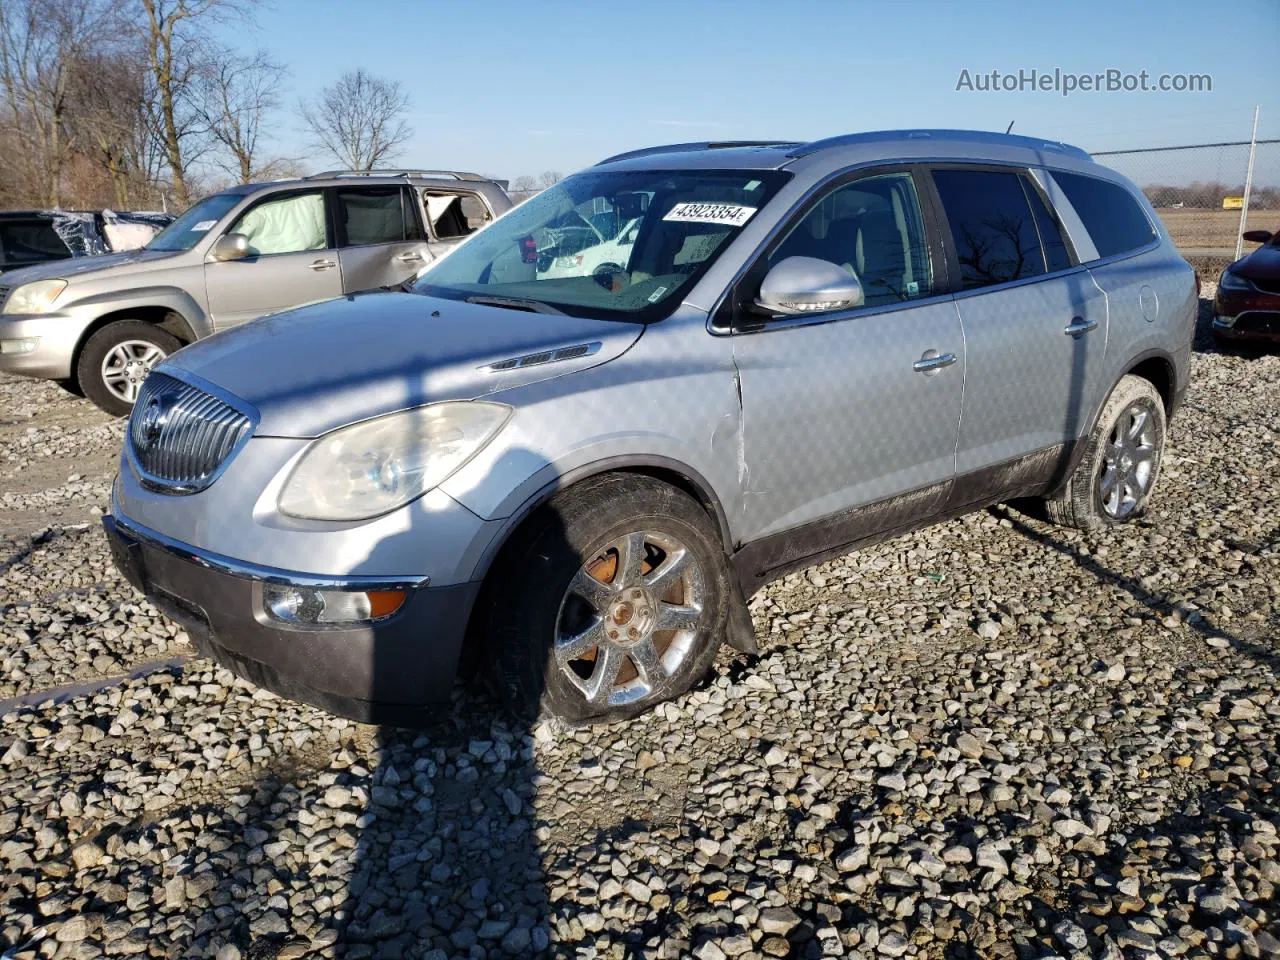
[1115, 221]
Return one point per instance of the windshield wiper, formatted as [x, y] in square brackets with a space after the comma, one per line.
[516, 303]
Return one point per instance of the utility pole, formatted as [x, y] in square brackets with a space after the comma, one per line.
[1248, 186]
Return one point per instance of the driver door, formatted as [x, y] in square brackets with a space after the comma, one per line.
[847, 426]
[293, 260]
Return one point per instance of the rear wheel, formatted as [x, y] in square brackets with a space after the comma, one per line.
[611, 600]
[1121, 464]
[117, 359]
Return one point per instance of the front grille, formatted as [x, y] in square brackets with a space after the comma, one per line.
[1266, 286]
[180, 437]
[4, 294]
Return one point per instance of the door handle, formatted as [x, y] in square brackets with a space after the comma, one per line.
[1079, 326]
[411, 257]
[933, 361]
[321, 264]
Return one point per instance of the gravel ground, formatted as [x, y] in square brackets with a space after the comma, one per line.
[993, 738]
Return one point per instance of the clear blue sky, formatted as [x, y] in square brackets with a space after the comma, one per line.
[511, 88]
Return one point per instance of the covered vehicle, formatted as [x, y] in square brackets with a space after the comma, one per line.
[30, 237]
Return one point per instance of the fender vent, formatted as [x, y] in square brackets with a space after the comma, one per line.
[546, 356]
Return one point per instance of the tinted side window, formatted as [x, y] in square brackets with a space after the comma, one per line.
[369, 215]
[31, 241]
[1115, 222]
[873, 228]
[991, 223]
[1056, 254]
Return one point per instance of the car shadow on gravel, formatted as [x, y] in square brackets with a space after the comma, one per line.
[1261, 655]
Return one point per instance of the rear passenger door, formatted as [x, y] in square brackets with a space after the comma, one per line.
[1035, 330]
[380, 237]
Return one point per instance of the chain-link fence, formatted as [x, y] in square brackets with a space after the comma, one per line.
[1199, 193]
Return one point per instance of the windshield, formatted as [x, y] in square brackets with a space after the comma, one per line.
[608, 244]
[185, 232]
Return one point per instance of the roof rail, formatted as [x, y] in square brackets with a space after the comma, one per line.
[966, 136]
[435, 174]
[696, 145]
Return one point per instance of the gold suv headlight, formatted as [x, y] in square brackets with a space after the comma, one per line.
[35, 297]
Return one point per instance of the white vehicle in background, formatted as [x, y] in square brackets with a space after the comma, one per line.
[580, 248]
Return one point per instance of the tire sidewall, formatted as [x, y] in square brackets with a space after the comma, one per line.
[89, 366]
[523, 635]
[1130, 392]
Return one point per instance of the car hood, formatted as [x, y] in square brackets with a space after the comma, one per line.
[318, 367]
[127, 262]
[1262, 264]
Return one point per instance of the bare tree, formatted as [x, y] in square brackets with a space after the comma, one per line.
[111, 116]
[176, 46]
[359, 120]
[239, 94]
[43, 46]
[549, 178]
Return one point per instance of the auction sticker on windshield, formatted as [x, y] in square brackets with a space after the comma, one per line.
[730, 214]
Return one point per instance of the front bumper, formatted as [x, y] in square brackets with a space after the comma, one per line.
[56, 337]
[1245, 316]
[396, 671]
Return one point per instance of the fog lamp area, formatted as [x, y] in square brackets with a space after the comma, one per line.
[307, 605]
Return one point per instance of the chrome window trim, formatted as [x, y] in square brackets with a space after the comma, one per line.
[260, 573]
[161, 485]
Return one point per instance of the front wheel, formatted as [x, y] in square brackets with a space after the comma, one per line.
[612, 599]
[1118, 472]
[117, 359]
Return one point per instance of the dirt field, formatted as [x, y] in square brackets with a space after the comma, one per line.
[1200, 231]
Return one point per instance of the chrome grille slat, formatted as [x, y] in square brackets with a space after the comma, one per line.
[192, 434]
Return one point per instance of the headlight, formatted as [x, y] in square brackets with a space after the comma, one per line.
[35, 297]
[1229, 281]
[371, 468]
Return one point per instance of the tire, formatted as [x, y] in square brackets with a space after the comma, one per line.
[1114, 482]
[535, 602]
[145, 343]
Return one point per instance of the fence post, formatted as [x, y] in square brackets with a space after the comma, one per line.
[1248, 185]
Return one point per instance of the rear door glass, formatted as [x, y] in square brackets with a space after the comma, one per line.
[991, 225]
[1057, 256]
[371, 215]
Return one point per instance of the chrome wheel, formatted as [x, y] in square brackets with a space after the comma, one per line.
[126, 365]
[630, 619]
[1128, 462]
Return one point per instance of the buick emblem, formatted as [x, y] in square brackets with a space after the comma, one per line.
[151, 423]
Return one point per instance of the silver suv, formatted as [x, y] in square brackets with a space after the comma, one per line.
[100, 324]
[568, 471]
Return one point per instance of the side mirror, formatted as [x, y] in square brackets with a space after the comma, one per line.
[231, 246]
[1257, 236]
[804, 285]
